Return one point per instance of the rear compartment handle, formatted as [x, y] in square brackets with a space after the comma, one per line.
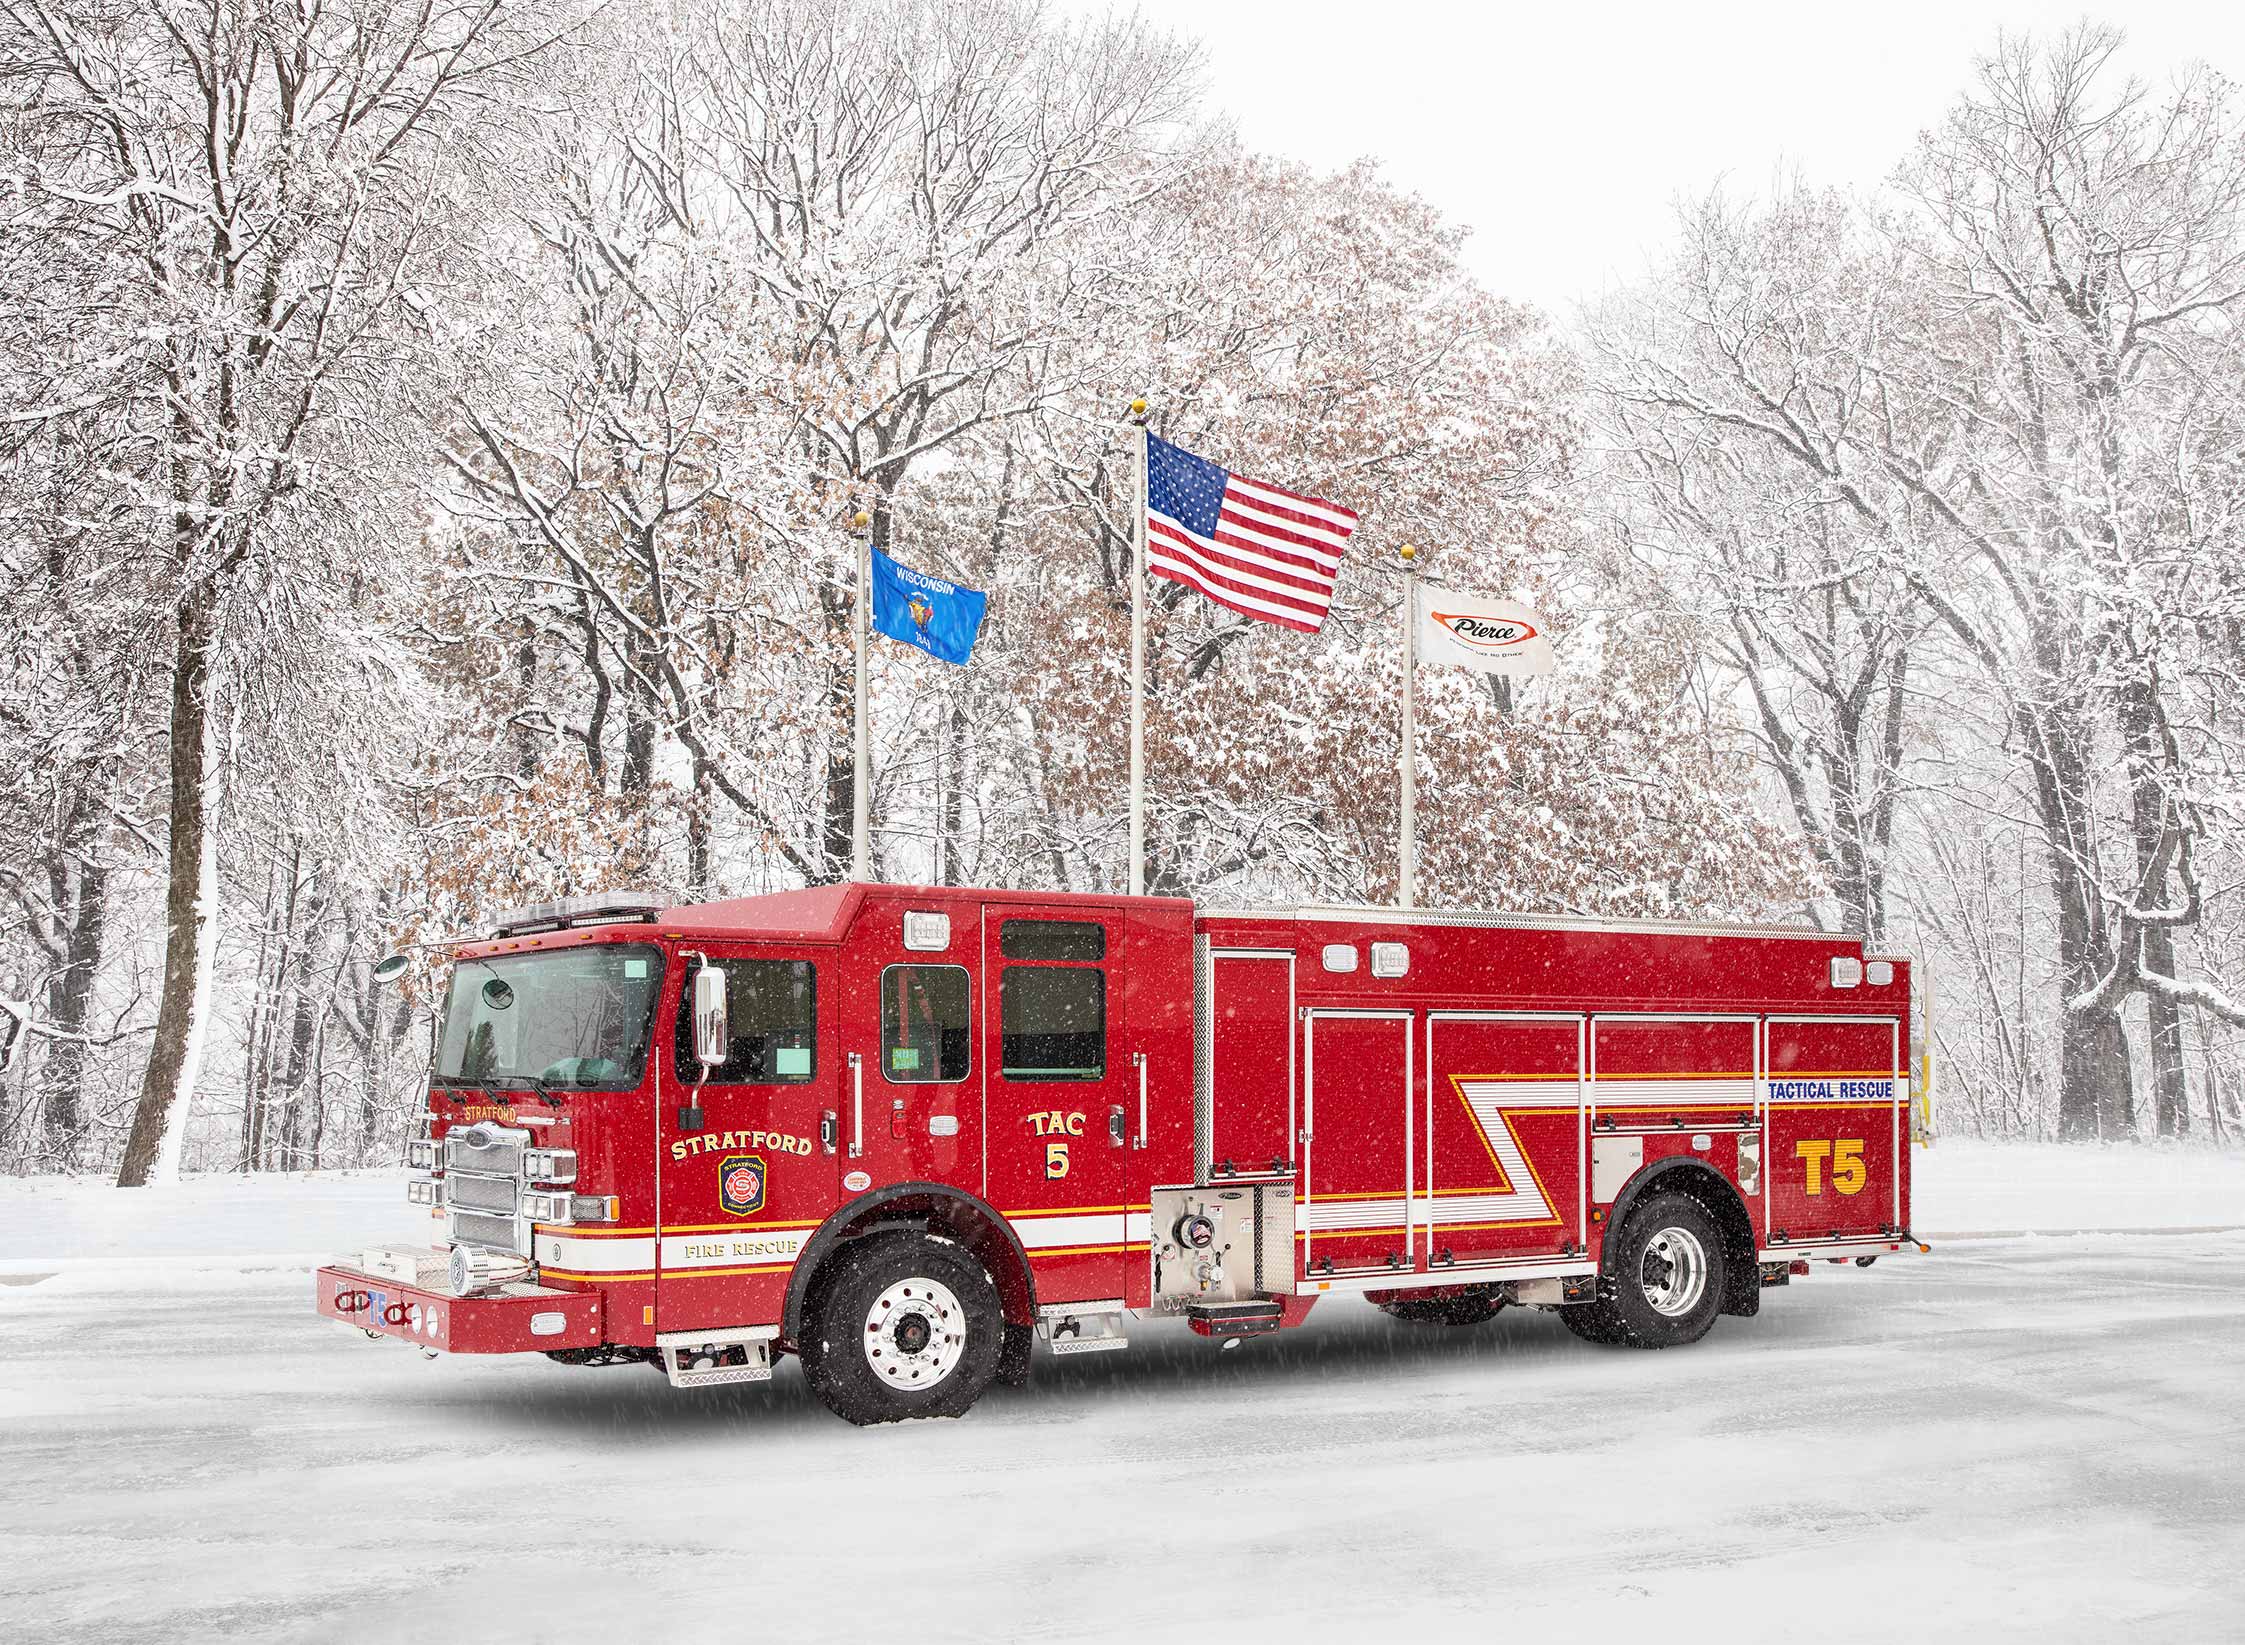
[857, 1104]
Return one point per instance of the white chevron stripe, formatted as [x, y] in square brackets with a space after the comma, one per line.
[594, 1256]
[1339, 1215]
[1090, 1228]
[1488, 1099]
[1671, 1093]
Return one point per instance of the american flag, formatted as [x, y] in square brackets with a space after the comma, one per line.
[1264, 551]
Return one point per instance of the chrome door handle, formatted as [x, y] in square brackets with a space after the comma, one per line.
[857, 1104]
[1139, 1057]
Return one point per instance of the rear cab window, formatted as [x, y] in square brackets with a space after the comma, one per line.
[925, 1024]
[1052, 1000]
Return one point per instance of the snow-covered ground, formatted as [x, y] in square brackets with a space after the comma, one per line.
[2013, 1439]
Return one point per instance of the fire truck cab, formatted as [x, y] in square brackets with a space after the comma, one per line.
[915, 1129]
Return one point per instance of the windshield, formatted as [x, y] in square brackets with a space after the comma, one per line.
[572, 1017]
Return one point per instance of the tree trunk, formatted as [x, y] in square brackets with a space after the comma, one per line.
[70, 1006]
[2094, 1088]
[2150, 817]
[698, 835]
[2170, 1083]
[954, 778]
[167, 1088]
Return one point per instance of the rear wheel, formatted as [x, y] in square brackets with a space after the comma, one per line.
[906, 1325]
[1663, 1281]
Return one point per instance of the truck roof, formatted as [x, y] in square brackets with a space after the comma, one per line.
[824, 913]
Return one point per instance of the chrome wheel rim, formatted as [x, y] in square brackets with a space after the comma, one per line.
[1673, 1272]
[915, 1333]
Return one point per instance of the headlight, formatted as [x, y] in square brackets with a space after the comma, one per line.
[421, 1154]
[540, 1206]
[550, 1164]
[423, 1191]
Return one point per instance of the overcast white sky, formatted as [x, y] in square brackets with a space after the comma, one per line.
[1562, 133]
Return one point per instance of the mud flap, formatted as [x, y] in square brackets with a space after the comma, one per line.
[1013, 1357]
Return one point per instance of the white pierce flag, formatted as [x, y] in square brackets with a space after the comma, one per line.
[1470, 631]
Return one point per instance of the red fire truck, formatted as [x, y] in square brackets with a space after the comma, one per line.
[903, 1132]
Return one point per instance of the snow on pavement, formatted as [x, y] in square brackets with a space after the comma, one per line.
[2012, 1439]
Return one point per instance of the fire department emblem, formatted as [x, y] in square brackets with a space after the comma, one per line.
[740, 1184]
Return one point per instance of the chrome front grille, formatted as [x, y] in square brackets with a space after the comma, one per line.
[483, 1187]
[495, 1149]
[491, 1233]
[474, 1192]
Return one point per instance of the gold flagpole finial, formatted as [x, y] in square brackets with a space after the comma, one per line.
[1407, 553]
[1138, 408]
[860, 520]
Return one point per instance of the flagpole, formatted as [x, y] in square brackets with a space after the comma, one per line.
[1138, 666]
[1407, 853]
[861, 794]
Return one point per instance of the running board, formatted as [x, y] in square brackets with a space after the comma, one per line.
[704, 1359]
[1083, 1327]
[1234, 1319]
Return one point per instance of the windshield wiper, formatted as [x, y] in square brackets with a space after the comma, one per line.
[524, 1082]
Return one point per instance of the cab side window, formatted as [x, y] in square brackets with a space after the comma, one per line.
[772, 1012]
[1052, 1012]
[925, 1037]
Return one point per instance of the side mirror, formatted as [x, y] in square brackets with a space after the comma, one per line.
[713, 1029]
[390, 969]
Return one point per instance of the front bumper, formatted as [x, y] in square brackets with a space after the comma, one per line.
[513, 1319]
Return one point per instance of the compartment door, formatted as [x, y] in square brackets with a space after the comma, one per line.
[1250, 1059]
[1837, 1128]
[1356, 1169]
[1505, 1118]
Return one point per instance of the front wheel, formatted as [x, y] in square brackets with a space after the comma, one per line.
[907, 1325]
[1663, 1281]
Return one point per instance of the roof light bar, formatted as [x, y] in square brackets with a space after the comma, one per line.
[598, 908]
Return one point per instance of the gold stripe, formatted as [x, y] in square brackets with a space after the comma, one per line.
[598, 1279]
[1475, 1227]
[1741, 1074]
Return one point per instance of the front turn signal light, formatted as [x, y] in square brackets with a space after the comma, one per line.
[592, 1208]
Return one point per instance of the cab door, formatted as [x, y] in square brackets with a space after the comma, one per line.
[1062, 1092]
[911, 1071]
[743, 1187]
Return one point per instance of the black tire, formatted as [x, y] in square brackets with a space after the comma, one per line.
[904, 1325]
[1663, 1277]
[1462, 1308]
[1592, 1321]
